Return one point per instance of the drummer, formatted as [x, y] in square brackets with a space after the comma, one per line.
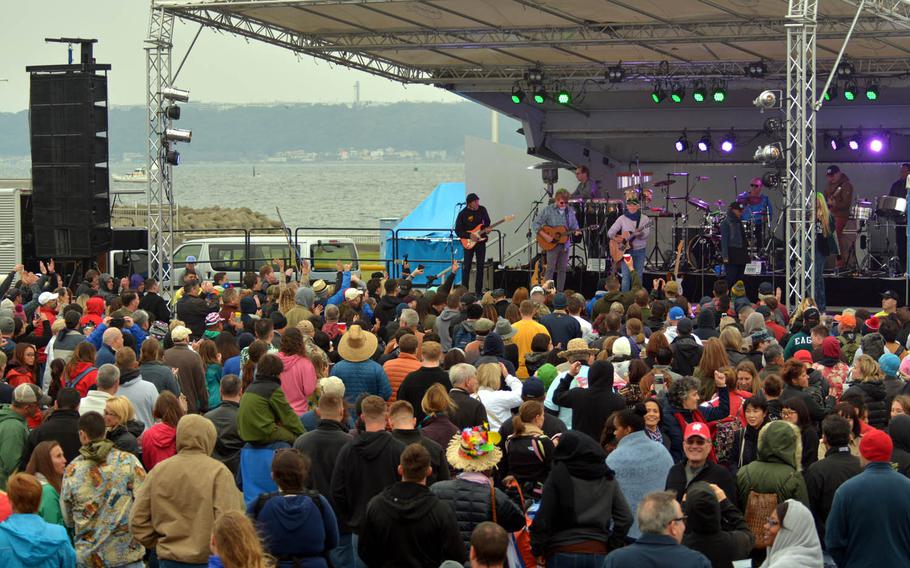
[899, 189]
[756, 205]
[587, 187]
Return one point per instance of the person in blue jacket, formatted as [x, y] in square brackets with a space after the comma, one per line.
[26, 540]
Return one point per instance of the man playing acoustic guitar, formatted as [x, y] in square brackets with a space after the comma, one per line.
[630, 231]
[557, 214]
[472, 216]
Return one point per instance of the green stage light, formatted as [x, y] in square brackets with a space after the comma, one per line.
[719, 94]
[563, 97]
[850, 92]
[872, 92]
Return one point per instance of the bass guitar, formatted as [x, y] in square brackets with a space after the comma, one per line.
[479, 233]
[559, 235]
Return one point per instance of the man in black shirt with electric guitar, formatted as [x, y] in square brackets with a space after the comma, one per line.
[472, 227]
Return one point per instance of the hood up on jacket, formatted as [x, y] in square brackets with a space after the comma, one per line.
[779, 442]
[94, 311]
[408, 501]
[196, 434]
[448, 315]
[899, 430]
[33, 542]
[305, 297]
[601, 375]
[702, 508]
[493, 345]
[371, 444]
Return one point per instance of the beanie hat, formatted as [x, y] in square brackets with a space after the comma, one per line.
[890, 363]
[684, 326]
[831, 348]
[876, 446]
[905, 367]
[738, 290]
[546, 373]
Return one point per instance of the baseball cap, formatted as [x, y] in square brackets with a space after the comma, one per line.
[180, 333]
[699, 429]
[765, 288]
[352, 293]
[889, 363]
[537, 290]
[46, 297]
[498, 293]
[876, 446]
[533, 388]
[890, 295]
[803, 355]
[760, 336]
[832, 170]
[672, 288]
[560, 301]
[30, 394]
[676, 313]
[765, 311]
[190, 259]
[471, 198]
[469, 298]
[684, 326]
[811, 313]
[873, 323]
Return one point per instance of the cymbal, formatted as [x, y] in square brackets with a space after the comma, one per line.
[679, 174]
[551, 166]
[699, 204]
[677, 198]
[665, 183]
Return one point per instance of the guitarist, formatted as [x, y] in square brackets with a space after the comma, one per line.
[471, 216]
[557, 214]
[635, 230]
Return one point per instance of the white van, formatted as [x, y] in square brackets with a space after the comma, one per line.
[229, 255]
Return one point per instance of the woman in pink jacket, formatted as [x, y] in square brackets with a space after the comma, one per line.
[298, 380]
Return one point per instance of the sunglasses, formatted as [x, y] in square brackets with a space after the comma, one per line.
[754, 185]
[693, 441]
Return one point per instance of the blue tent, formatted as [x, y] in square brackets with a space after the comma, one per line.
[425, 234]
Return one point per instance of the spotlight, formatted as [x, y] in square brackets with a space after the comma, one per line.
[728, 142]
[658, 94]
[682, 143]
[834, 142]
[178, 135]
[563, 97]
[770, 179]
[877, 143]
[678, 93]
[756, 70]
[699, 93]
[615, 74]
[172, 157]
[772, 126]
[850, 91]
[831, 93]
[845, 70]
[174, 94]
[769, 153]
[540, 95]
[872, 92]
[767, 99]
[517, 95]
[719, 93]
[534, 75]
[173, 112]
[704, 143]
[855, 142]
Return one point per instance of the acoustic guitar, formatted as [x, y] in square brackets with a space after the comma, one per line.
[559, 235]
[620, 243]
[479, 233]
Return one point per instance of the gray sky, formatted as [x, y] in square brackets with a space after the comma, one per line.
[221, 67]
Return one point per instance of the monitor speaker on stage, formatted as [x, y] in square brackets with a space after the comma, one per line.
[70, 182]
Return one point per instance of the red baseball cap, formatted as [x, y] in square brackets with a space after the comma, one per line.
[697, 429]
[803, 355]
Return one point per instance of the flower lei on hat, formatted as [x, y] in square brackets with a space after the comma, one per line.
[478, 441]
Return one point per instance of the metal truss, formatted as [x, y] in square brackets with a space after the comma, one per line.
[800, 183]
[160, 174]
[895, 11]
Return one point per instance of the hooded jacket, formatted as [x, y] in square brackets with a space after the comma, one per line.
[298, 380]
[27, 541]
[265, 415]
[82, 377]
[899, 430]
[705, 327]
[716, 529]
[591, 406]
[160, 375]
[777, 468]
[141, 393]
[443, 325]
[158, 443]
[14, 434]
[797, 544]
[494, 351]
[190, 376]
[641, 466]
[156, 306]
[408, 526]
[876, 399]
[365, 466]
[294, 528]
[177, 505]
[437, 453]
[824, 477]
[65, 343]
[686, 354]
[322, 445]
[94, 312]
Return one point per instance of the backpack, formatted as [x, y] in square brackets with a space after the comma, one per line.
[759, 507]
[71, 383]
[723, 439]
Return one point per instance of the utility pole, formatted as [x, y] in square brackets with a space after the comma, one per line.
[356, 93]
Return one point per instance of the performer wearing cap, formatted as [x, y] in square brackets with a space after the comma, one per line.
[839, 198]
[637, 229]
[468, 219]
[899, 189]
[756, 207]
[557, 214]
[733, 243]
[587, 187]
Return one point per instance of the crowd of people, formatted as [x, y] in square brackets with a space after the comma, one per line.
[365, 422]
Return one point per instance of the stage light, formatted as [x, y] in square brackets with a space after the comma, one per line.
[756, 70]
[173, 112]
[172, 157]
[178, 135]
[772, 126]
[658, 94]
[518, 96]
[682, 143]
[872, 92]
[831, 93]
[845, 70]
[767, 99]
[770, 179]
[678, 93]
[769, 153]
[175, 94]
[704, 143]
[850, 91]
[877, 143]
[699, 93]
[615, 74]
[719, 93]
[563, 97]
[534, 75]
[728, 142]
[834, 142]
[540, 95]
[855, 142]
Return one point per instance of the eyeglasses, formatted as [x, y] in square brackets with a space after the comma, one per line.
[771, 522]
[786, 412]
[754, 185]
[681, 519]
[693, 441]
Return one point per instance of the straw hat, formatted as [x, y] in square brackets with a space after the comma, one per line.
[357, 345]
[577, 348]
[474, 449]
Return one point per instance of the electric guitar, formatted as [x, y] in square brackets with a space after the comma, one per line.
[479, 233]
[675, 274]
[620, 243]
[559, 235]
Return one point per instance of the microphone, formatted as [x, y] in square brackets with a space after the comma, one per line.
[460, 203]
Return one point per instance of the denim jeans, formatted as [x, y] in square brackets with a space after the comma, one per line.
[564, 560]
[638, 263]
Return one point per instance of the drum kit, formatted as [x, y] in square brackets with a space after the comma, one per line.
[874, 225]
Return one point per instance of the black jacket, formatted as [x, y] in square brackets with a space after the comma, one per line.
[125, 440]
[322, 446]
[686, 355]
[742, 455]
[876, 399]
[591, 406]
[61, 426]
[417, 383]
[191, 310]
[711, 473]
[470, 411]
[437, 454]
[364, 467]
[156, 306]
[824, 477]
[899, 430]
[816, 411]
[228, 443]
[471, 504]
[386, 308]
[408, 526]
[717, 530]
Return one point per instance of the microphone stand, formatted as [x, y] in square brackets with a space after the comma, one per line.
[529, 218]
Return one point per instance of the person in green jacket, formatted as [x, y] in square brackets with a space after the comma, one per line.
[14, 428]
[777, 468]
[47, 464]
[265, 416]
[211, 360]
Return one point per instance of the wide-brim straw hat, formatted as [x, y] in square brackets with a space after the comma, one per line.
[577, 348]
[474, 449]
[357, 345]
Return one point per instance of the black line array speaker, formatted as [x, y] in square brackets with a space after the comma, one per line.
[70, 181]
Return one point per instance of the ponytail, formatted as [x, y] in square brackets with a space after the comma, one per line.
[518, 425]
[527, 412]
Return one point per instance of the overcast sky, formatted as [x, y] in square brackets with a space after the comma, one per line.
[221, 67]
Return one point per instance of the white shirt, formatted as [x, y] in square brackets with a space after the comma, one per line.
[94, 401]
[586, 327]
[671, 333]
[499, 404]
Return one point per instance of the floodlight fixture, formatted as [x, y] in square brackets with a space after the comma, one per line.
[831, 93]
[172, 112]
[678, 93]
[540, 95]
[877, 143]
[704, 143]
[728, 142]
[534, 75]
[518, 96]
[834, 142]
[172, 157]
[872, 92]
[850, 91]
[719, 93]
[770, 179]
[855, 142]
[175, 94]
[767, 99]
[756, 70]
[658, 94]
[682, 143]
[845, 70]
[699, 93]
[615, 74]
[178, 135]
[564, 97]
[769, 153]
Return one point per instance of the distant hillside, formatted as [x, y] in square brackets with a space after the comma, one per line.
[255, 132]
